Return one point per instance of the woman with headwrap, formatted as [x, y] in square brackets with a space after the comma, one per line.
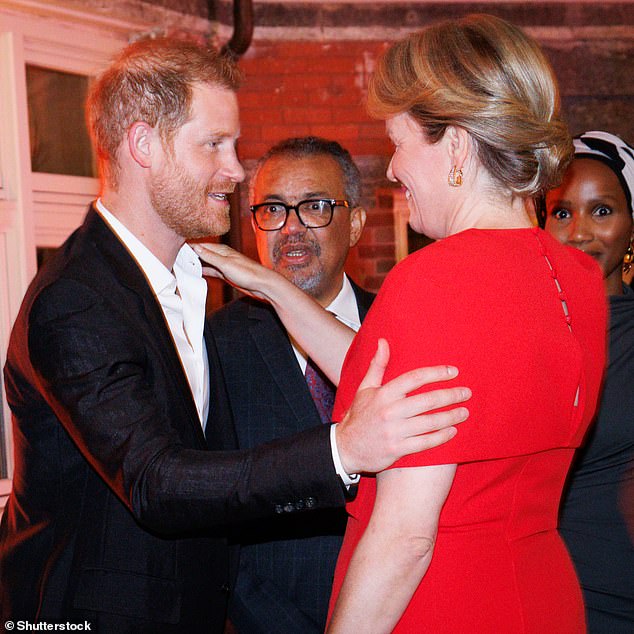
[592, 211]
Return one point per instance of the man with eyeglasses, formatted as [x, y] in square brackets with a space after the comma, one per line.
[306, 214]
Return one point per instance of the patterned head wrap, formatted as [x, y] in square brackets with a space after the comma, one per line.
[613, 152]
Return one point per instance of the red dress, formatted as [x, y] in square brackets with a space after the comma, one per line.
[524, 320]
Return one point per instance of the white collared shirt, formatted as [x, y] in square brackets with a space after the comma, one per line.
[344, 308]
[182, 295]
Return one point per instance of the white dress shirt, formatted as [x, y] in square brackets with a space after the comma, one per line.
[181, 293]
[344, 308]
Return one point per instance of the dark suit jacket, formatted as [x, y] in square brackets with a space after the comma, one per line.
[287, 563]
[115, 493]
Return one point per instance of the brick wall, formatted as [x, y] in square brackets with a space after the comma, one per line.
[300, 84]
[308, 65]
[308, 88]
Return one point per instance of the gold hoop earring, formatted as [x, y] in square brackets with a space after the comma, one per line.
[455, 177]
[628, 259]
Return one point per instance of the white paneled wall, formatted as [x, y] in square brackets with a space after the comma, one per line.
[39, 210]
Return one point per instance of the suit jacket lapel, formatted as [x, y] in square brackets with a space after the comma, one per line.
[151, 319]
[364, 299]
[273, 344]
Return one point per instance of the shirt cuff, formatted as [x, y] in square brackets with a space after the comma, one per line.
[348, 479]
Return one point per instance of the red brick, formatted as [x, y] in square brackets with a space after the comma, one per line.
[385, 266]
[381, 201]
[307, 115]
[348, 115]
[342, 133]
[260, 81]
[313, 84]
[365, 147]
[261, 99]
[337, 64]
[276, 133]
[304, 65]
[373, 130]
[261, 116]
[258, 50]
[250, 66]
[350, 98]
[373, 282]
[249, 133]
[326, 89]
[377, 251]
[345, 48]
[341, 87]
[294, 97]
[384, 234]
[292, 48]
[254, 149]
[379, 219]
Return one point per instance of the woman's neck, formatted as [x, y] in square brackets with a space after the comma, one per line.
[614, 283]
[491, 213]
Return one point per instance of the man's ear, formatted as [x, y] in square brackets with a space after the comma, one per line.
[253, 225]
[357, 222]
[140, 141]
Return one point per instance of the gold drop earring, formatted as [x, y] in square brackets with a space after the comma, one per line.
[628, 258]
[455, 177]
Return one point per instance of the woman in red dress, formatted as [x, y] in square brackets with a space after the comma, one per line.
[463, 537]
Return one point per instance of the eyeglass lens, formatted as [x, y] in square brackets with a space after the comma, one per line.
[312, 213]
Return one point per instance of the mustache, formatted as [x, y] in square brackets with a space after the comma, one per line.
[224, 187]
[312, 245]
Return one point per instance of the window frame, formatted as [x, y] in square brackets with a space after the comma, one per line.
[37, 209]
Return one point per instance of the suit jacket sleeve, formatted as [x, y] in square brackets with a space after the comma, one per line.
[100, 380]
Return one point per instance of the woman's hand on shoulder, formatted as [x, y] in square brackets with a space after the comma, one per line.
[237, 269]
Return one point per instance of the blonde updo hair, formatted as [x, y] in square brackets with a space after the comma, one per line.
[488, 77]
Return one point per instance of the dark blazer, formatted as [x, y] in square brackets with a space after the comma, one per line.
[115, 494]
[286, 563]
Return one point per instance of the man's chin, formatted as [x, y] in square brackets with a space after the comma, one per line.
[308, 283]
[296, 273]
[220, 228]
[208, 231]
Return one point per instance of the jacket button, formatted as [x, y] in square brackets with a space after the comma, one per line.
[278, 508]
[289, 507]
[311, 503]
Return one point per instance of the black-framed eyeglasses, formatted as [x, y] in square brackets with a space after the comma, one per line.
[313, 213]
